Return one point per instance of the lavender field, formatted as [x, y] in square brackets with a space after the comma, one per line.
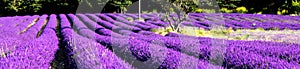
[122, 41]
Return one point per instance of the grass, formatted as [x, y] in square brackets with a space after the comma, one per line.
[291, 36]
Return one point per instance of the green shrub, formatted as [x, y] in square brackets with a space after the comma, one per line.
[199, 10]
[241, 9]
[296, 6]
[225, 10]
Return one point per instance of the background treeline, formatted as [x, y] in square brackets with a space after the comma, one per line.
[261, 6]
[32, 7]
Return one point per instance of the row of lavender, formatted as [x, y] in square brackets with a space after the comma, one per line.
[141, 53]
[260, 54]
[236, 21]
[20, 45]
[30, 42]
[131, 45]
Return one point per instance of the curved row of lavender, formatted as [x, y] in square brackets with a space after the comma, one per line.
[201, 47]
[151, 54]
[236, 21]
[108, 41]
[27, 50]
[87, 53]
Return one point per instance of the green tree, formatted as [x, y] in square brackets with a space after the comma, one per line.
[118, 6]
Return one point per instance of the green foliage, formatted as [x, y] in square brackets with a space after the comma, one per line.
[141, 19]
[154, 11]
[243, 37]
[21, 6]
[259, 12]
[162, 31]
[260, 29]
[241, 9]
[296, 6]
[194, 31]
[282, 7]
[280, 12]
[226, 10]
[295, 3]
[171, 9]
[122, 4]
[186, 5]
[145, 12]
[36, 7]
[209, 11]
[198, 10]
